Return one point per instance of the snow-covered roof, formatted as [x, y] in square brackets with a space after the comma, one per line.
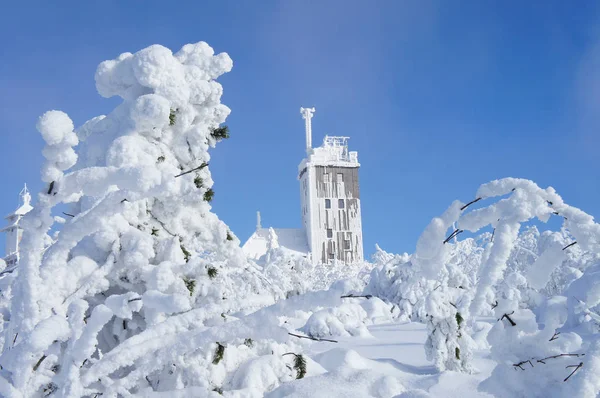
[333, 152]
[14, 217]
[292, 239]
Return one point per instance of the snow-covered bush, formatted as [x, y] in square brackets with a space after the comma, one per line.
[431, 286]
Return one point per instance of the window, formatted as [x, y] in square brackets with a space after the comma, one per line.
[341, 203]
[346, 244]
[326, 178]
[330, 233]
[332, 256]
[340, 177]
[328, 203]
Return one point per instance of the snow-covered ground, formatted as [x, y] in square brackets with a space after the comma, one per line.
[395, 354]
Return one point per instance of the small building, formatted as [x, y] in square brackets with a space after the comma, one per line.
[330, 206]
[13, 232]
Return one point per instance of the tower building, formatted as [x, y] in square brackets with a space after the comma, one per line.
[330, 198]
[13, 231]
[330, 206]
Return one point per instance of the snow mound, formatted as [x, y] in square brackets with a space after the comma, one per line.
[345, 320]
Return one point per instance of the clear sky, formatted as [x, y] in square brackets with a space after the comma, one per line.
[437, 97]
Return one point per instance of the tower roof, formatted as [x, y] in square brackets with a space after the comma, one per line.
[24, 208]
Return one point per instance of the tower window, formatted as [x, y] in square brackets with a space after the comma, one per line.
[340, 177]
[341, 203]
[326, 178]
[330, 233]
[346, 244]
[332, 256]
[328, 203]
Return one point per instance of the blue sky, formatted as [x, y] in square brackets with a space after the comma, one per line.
[437, 97]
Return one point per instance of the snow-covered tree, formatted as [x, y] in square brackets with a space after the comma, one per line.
[519, 340]
[125, 298]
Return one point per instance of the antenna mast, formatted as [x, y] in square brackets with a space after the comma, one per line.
[307, 114]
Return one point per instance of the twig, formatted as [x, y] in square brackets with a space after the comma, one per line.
[51, 187]
[554, 336]
[134, 299]
[520, 364]
[38, 363]
[495, 304]
[558, 356]
[453, 235]
[67, 214]
[470, 203]
[569, 245]
[203, 165]
[311, 338]
[368, 296]
[509, 318]
[492, 238]
[161, 224]
[577, 367]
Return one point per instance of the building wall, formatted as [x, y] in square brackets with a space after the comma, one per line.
[333, 231]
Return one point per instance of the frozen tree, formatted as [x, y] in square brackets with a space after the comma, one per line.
[519, 340]
[142, 280]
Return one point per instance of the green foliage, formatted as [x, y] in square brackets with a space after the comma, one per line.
[209, 194]
[198, 181]
[154, 232]
[459, 319]
[186, 253]
[249, 342]
[212, 272]
[457, 353]
[229, 236]
[190, 284]
[218, 353]
[300, 366]
[160, 159]
[50, 389]
[220, 133]
[172, 117]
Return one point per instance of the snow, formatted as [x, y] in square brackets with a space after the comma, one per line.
[258, 244]
[145, 292]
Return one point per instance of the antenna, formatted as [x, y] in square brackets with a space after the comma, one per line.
[258, 226]
[307, 114]
[25, 196]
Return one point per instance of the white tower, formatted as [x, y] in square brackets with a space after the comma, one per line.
[13, 231]
[330, 199]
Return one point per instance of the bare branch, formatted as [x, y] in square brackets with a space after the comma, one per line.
[577, 367]
[311, 338]
[569, 245]
[554, 336]
[470, 203]
[368, 296]
[558, 356]
[203, 165]
[509, 318]
[38, 363]
[453, 235]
